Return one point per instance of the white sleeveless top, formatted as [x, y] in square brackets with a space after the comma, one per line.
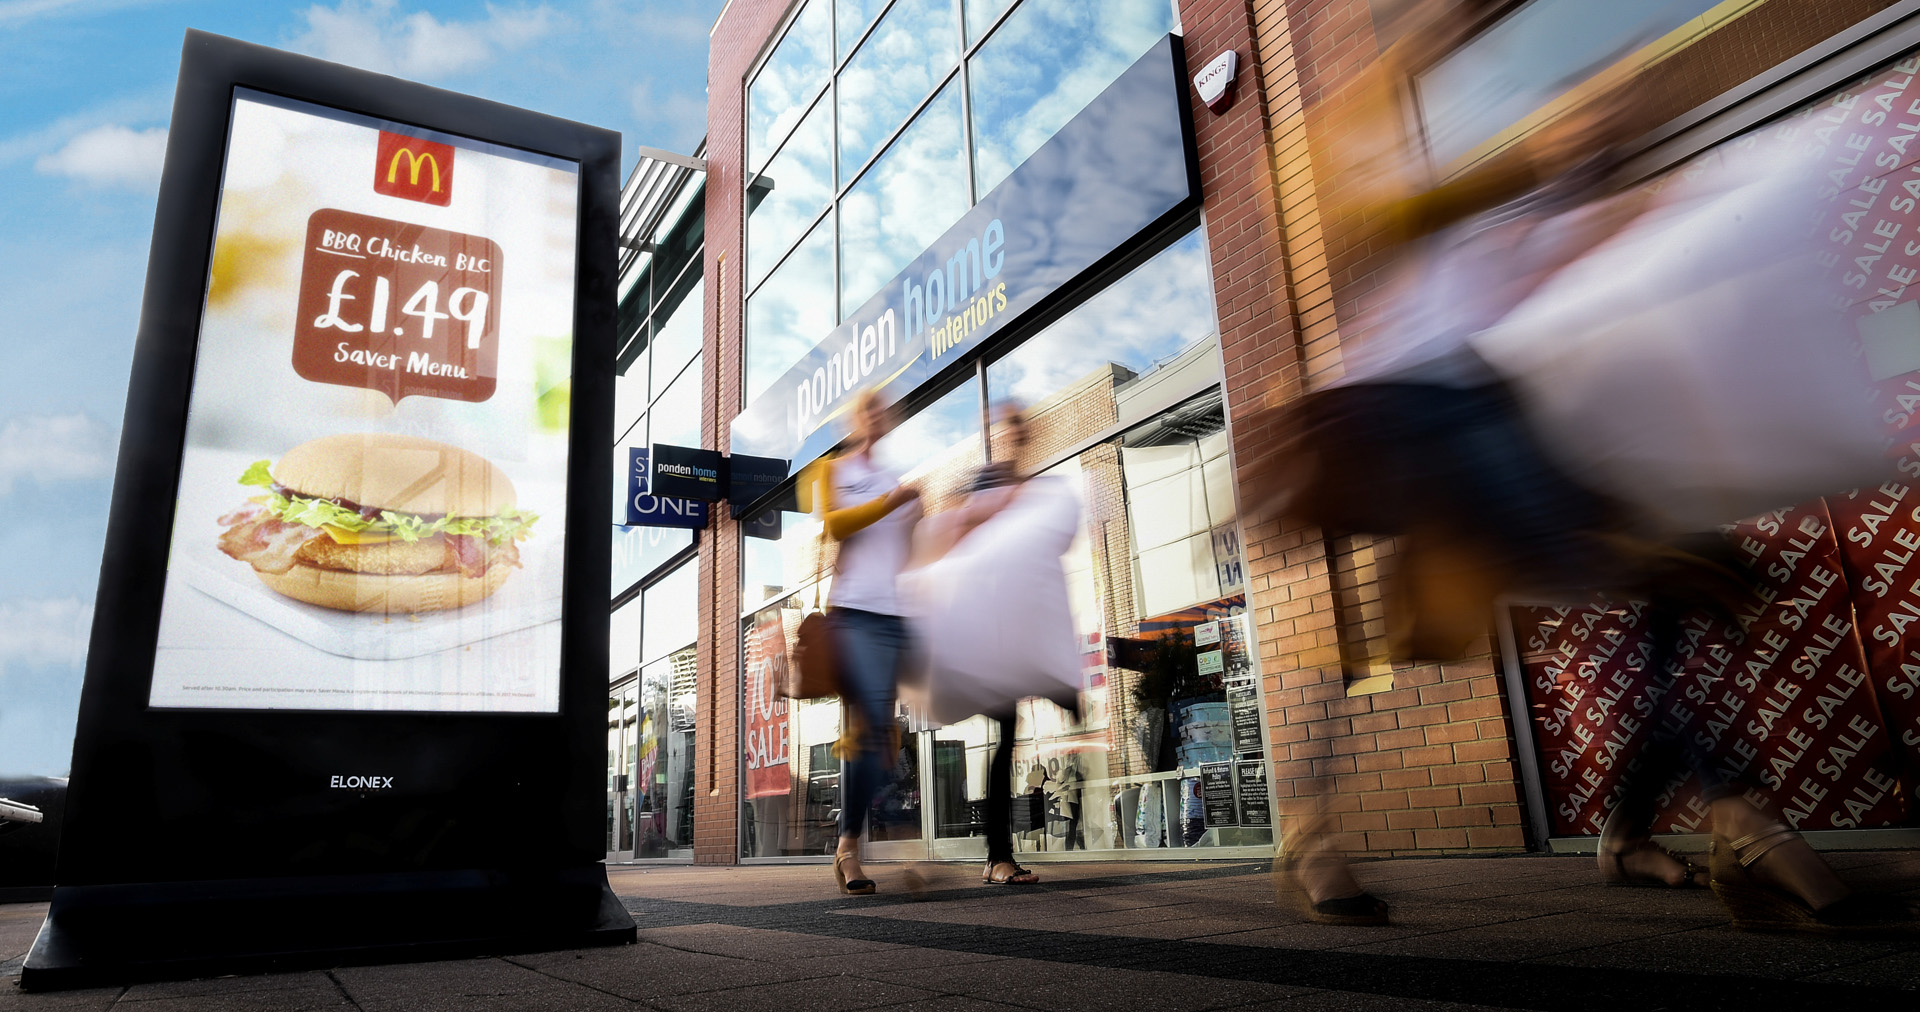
[867, 573]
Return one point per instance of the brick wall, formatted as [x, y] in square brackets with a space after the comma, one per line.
[737, 40]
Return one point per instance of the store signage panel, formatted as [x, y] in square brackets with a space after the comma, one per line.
[647, 510]
[689, 472]
[354, 588]
[750, 477]
[1123, 164]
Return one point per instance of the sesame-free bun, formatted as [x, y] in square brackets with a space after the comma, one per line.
[406, 474]
[375, 592]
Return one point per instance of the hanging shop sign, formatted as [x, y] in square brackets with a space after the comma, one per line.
[362, 471]
[647, 510]
[1123, 165]
[688, 472]
[750, 477]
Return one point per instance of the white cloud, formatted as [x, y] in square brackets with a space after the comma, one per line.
[13, 12]
[376, 35]
[49, 448]
[110, 156]
[44, 631]
[675, 114]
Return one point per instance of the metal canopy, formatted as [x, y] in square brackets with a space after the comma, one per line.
[657, 179]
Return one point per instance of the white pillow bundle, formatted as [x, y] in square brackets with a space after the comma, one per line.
[991, 615]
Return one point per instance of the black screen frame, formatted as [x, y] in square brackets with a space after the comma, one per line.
[164, 794]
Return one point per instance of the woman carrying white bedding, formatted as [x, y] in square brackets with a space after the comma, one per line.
[990, 608]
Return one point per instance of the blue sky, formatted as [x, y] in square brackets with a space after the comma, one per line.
[85, 90]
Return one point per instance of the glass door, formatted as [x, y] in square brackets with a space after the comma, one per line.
[623, 716]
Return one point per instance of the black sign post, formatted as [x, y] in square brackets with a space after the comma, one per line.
[288, 755]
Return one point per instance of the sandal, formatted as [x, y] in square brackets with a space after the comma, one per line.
[1756, 906]
[1613, 869]
[1362, 909]
[1018, 876]
[1614, 851]
[852, 887]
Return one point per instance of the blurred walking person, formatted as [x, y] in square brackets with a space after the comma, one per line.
[991, 607]
[865, 508]
[1516, 425]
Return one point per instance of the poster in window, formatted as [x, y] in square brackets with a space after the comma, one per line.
[372, 492]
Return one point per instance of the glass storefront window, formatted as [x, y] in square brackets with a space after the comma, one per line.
[675, 418]
[1533, 56]
[779, 553]
[911, 50]
[792, 191]
[980, 16]
[1148, 336]
[792, 312]
[939, 446]
[623, 641]
[629, 398]
[670, 618]
[623, 718]
[662, 777]
[905, 201]
[638, 551]
[792, 76]
[851, 17]
[677, 334]
[635, 437]
[791, 780]
[1045, 64]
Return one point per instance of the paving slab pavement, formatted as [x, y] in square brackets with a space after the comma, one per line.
[1530, 932]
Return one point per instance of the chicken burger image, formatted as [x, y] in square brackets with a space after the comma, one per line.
[379, 523]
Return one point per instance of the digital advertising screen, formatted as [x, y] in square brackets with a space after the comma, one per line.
[373, 486]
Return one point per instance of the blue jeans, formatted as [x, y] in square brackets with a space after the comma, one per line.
[872, 647]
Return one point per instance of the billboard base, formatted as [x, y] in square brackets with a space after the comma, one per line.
[119, 934]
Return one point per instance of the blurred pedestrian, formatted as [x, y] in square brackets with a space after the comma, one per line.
[992, 609]
[1514, 426]
[871, 515]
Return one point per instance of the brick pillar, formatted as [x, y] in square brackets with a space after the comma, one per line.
[735, 42]
[1427, 765]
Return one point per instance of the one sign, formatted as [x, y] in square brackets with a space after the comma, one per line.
[1214, 82]
[689, 473]
[1122, 166]
[645, 510]
[1250, 785]
[1217, 795]
[355, 588]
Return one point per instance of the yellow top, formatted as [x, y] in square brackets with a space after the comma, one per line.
[842, 521]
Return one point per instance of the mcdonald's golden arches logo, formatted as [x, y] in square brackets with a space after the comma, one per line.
[413, 169]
